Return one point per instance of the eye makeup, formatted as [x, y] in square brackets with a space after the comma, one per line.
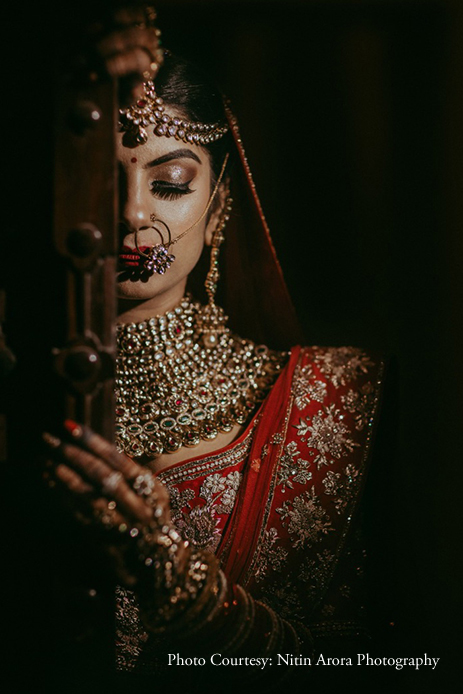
[173, 180]
[170, 191]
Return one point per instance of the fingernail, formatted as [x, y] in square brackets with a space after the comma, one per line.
[73, 428]
[51, 440]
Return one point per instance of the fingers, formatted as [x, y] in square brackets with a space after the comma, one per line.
[107, 514]
[99, 473]
[129, 15]
[89, 509]
[72, 480]
[129, 39]
[133, 50]
[91, 466]
[135, 61]
[103, 449]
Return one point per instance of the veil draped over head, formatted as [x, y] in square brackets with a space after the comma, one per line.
[252, 289]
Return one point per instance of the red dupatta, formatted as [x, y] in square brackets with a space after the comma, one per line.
[252, 289]
[240, 539]
[256, 297]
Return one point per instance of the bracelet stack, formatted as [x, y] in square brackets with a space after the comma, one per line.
[185, 598]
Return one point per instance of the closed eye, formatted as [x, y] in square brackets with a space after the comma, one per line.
[170, 191]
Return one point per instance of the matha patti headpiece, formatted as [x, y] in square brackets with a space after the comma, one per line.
[150, 110]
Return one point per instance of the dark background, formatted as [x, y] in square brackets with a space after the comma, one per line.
[351, 115]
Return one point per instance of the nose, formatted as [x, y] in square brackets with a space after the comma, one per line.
[135, 208]
[135, 214]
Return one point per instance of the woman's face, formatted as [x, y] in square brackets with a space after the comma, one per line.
[172, 181]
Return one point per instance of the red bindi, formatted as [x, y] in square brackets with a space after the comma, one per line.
[133, 160]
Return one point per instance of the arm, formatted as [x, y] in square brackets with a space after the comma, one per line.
[184, 598]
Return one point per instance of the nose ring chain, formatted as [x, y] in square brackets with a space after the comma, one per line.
[158, 259]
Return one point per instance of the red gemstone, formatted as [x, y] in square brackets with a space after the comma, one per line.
[179, 402]
[141, 103]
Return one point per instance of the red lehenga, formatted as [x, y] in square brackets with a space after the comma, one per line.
[279, 505]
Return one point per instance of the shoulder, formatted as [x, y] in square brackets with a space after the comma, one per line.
[335, 398]
[320, 450]
[339, 366]
[342, 375]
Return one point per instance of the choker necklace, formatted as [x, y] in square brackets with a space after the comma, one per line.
[176, 387]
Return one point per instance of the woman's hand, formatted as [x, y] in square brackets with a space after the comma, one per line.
[107, 489]
[133, 44]
[130, 48]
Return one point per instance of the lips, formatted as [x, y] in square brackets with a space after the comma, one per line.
[130, 257]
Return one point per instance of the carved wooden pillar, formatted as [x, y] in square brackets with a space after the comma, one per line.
[85, 234]
[85, 237]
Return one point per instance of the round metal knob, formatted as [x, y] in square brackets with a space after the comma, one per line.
[84, 115]
[81, 364]
[84, 241]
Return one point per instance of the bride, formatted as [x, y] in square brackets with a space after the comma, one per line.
[230, 501]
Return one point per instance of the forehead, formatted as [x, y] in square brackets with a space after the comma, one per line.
[156, 146]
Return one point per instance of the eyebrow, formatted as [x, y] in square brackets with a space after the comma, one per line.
[176, 154]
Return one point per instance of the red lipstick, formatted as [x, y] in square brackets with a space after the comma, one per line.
[130, 257]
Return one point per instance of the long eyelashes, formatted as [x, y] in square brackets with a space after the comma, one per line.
[169, 191]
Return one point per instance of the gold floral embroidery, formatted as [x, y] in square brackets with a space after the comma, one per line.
[200, 524]
[327, 433]
[361, 404]
[345, 590]
[284, 599]
[328, 610]
[277, 438]
[306, 387]
[130, 634]
[179, 499]
[292, 469]
[316, 573]
[343, 364]
[340, 486]
[305, 518]
[270, 557]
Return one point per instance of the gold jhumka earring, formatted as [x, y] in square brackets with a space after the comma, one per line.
[212, 320]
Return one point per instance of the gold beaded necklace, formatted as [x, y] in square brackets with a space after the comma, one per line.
[174, 387]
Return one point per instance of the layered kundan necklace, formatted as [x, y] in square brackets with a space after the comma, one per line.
[175, 386]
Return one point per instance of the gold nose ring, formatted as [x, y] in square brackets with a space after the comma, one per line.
[158, 259]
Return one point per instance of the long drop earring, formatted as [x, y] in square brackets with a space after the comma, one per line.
[213, 320]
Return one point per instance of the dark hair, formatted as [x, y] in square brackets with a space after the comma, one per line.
[184, 86]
